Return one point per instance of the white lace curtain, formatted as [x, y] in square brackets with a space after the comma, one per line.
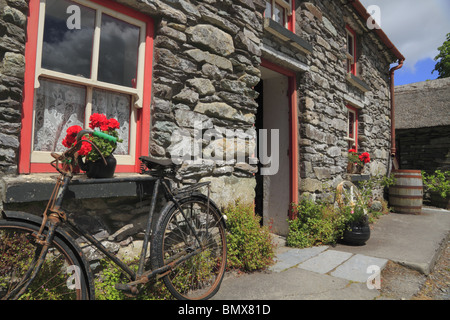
[59, 105]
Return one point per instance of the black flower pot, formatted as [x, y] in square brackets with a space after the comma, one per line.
[356, 234]
[98, 169]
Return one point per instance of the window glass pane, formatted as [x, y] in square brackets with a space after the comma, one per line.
[351, 125]
[279, 14]
[57, 107]
[350, 44]
[118, 58]
[68, 37]
[117, 106]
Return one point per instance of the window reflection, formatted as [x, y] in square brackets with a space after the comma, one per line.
[65, 50]
[118, 52]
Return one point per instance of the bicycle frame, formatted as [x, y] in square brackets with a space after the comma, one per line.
[53, 217]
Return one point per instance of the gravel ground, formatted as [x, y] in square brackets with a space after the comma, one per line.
[398, 282]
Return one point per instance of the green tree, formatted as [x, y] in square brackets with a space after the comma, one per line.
[443, 60]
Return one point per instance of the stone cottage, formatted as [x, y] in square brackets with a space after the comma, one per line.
[423, 125]
[263, 98]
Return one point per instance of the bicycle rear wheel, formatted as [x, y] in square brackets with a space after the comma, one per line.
[60, 277]
[177, 235]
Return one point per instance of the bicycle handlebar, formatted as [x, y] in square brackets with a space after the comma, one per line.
[96, 133]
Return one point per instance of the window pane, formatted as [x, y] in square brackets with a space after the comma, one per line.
[117, 106]
[118, 58]
[279, 14]
[350, 44]
[57, 107]
[351, 125]
[67, 46]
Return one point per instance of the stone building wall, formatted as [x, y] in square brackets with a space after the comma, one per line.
[207, 55]
[325, 91]
[206, 65]
[13, 21]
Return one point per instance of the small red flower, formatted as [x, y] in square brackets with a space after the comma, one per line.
[86, 147]
[365, 157]
[97, 120]
[71, 136]
[113, 124]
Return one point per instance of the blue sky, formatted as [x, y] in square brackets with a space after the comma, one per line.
[417, 28]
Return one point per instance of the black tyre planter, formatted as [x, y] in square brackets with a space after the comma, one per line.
[98, 169]
[356, 234]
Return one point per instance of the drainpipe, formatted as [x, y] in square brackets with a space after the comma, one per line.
[393, 146]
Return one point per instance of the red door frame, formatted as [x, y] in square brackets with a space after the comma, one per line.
[143, 118]
[293, 129]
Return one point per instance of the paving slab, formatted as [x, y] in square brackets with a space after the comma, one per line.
[340, 272]
[293, 257]
[292, 284]
[414, 241]
[359, 268]
[325, 261]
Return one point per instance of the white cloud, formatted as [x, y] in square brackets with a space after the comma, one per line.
[416, 27]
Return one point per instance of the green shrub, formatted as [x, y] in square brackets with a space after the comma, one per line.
[316, 224]
[249, 245]
[110, 274]
[437, 182]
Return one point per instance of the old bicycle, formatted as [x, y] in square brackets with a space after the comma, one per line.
[39, 258]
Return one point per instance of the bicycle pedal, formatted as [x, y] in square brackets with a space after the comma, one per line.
[128, 290]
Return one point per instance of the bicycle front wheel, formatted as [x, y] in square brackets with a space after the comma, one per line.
[60, 277]
[200, 227]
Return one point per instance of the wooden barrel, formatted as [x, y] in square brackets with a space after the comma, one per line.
[406, 196]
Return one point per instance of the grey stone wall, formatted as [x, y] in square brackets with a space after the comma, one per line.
[425, 149]
[206, 63]
[325, 92]
[13, 21]
[423, 125]
[207, 55]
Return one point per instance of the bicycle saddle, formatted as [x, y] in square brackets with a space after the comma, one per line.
[149, 161]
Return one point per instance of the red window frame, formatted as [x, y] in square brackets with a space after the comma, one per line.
[352, 32]
[290, 18]
[25, 165]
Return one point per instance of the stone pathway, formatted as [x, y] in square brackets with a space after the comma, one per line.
[323, 260]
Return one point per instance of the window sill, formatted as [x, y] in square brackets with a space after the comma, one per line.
[286, 35]
[39, 187]
[357, 82]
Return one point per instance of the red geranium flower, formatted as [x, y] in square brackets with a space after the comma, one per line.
[113, 124]
[96, 120]
[71, 136]
[86, 147]
[352, 151]
[365, 157]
